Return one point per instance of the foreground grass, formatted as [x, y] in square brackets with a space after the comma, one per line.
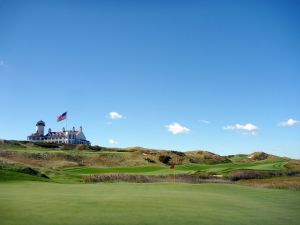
[27, 203]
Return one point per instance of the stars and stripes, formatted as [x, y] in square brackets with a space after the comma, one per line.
[62, 117]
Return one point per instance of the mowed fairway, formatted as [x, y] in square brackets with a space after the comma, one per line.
[39, 203]
[187, 168]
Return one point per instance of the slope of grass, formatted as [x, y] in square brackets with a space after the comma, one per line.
[99, 170]
[31, 203]
[188, 168]
[227, 167]
[6, 175]
[269, 166]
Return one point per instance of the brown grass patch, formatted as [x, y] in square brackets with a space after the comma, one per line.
[134, 178]
[291, 183]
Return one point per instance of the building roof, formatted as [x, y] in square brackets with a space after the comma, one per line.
[40, 123]
[56, 134]
[36, 134]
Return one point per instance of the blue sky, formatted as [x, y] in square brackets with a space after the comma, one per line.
[222, 76]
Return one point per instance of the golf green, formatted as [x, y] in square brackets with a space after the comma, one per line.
[39, 203]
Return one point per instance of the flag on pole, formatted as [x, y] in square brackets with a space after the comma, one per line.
[172, 167]
[62, 117]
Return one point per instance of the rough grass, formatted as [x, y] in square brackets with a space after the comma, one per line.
[258, 174]
[32, 203]
[134, 178]
[292, 183]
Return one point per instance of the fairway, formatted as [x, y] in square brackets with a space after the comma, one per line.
[187, 168]
[32, 203]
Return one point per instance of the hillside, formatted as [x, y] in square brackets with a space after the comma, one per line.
[61, 155]
[25, 160]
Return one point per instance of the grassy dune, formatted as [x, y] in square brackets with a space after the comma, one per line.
[31, 203]
[21, 160]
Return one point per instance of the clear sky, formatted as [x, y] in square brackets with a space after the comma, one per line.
[222, 76]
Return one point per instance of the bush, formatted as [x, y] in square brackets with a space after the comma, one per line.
[11, 143]
[149, 160]
[117, 177]
[68, 146]
[259, 156]
[28, 170]
[82, 147]
[165, 159]
[178, 153]
[254, 174]
[181, 178]
[46, 145]
[96, 148]
[204, 175]
[32, 172]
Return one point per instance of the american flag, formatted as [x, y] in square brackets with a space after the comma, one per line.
[62, 117]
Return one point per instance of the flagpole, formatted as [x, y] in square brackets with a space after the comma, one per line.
[67, 123]
[174, 176]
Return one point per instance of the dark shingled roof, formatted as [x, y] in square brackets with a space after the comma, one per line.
[55, 134]
[40, 123]
[36, 135]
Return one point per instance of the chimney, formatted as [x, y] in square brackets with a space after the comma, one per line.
[64, 130]
[80, 128]
[74, 129]
[49, 130]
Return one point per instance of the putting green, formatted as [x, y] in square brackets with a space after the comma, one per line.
[32, 203]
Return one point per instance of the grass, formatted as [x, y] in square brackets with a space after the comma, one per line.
[227, 167]
[31, 203]
[164, 170]
[146, 170]
[268, 166]
[98, 170]
[64, 199]
[292, 183]
[6, 175]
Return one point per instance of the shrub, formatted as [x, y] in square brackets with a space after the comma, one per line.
[149, 160]
[178, 153]
[11, 143]
[259, 156]
[165, 159]
[68, 147]
[46, 145]
[254, 174]
[183, 178]
[202, 175]
[82, 147]
[96, 148]
[117, 177]
[32, 172]
[28, 170]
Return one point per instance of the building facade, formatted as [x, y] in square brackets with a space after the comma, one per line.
[60, 137]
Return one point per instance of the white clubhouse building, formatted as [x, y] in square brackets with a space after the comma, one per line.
[60, 137]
